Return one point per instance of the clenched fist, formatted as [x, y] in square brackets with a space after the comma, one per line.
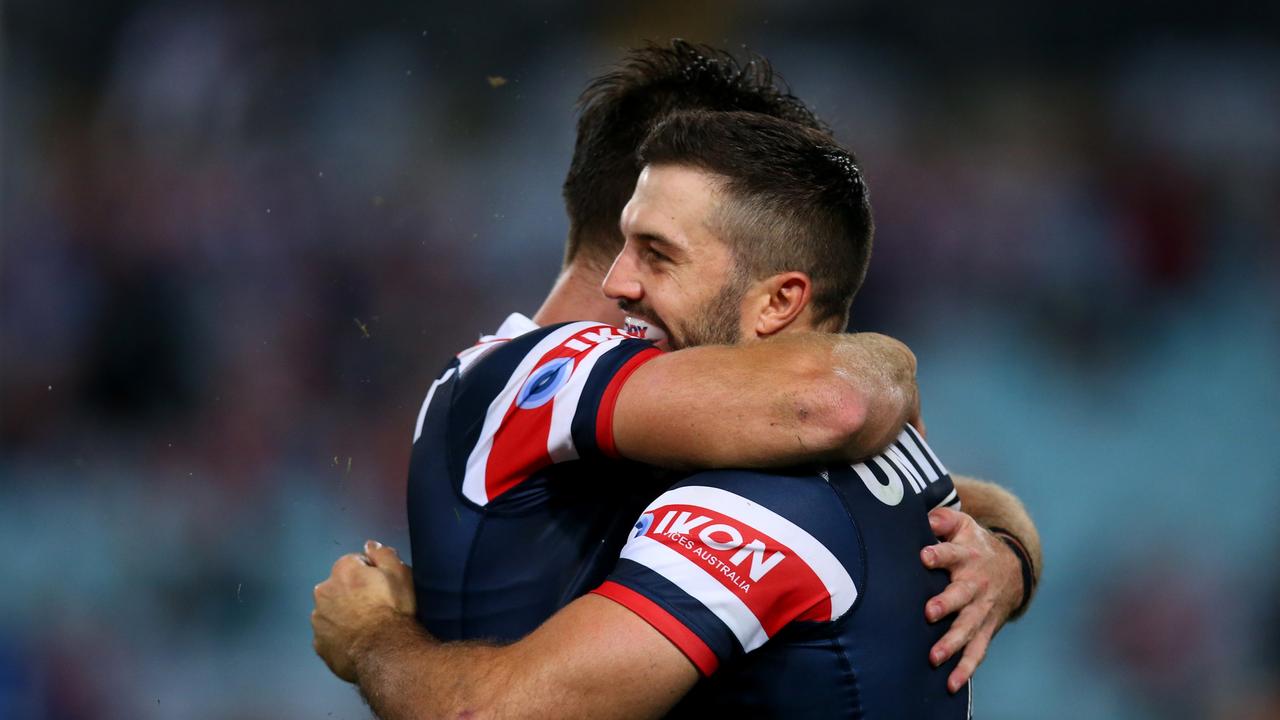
[360, 592]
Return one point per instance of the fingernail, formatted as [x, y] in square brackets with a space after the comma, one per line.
[934, 521]
[935, 657]
[930, 556]
[934, 611]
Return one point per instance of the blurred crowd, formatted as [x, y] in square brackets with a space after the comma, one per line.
[238, 240]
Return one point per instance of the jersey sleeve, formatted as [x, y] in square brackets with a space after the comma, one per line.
[721, 562]
[547, 398]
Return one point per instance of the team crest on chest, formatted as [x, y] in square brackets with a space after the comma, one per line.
[544, 382]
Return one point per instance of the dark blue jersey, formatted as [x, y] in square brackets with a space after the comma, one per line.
[517, 502]
[798, 594]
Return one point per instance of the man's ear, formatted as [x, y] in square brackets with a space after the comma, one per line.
[782, 299]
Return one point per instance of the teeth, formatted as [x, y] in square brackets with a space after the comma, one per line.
[642, 329]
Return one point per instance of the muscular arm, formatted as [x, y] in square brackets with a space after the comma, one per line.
[796, 398]
[592, 659]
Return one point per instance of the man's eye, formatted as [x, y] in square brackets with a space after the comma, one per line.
[653, 255]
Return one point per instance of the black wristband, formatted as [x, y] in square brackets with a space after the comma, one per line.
[1028, 573]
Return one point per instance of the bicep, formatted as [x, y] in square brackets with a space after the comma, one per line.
[595, 658]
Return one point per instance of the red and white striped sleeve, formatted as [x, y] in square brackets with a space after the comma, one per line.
[718, 571]
[556, 404]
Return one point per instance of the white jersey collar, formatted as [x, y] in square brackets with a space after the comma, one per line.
[515, 325]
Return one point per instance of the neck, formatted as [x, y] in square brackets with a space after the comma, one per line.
[577, 296]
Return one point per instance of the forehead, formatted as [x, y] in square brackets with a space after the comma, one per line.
[676, 203]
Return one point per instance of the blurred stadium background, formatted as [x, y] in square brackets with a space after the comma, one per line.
[239, 240]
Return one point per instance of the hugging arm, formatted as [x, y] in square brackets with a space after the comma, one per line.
[802, 397]
[594, 658]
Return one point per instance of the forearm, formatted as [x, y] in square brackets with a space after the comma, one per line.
[406, 674]
[993, 506]
[593, 658]
[797, 398]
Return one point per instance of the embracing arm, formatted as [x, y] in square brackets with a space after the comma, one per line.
[796, 398]
[594, 658]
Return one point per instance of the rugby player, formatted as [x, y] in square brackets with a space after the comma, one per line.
[695, 439]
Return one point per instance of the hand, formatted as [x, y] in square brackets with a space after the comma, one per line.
[359, 592]
[986, 587]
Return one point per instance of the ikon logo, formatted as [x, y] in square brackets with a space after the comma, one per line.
[721, 536]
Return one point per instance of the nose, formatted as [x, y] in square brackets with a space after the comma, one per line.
[623, 282]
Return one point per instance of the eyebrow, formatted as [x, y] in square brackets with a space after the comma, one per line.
[660, 240]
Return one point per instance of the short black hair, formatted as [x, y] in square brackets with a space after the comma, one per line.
[617, 110]
[794, 199]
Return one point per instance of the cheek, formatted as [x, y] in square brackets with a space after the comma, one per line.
[669, 298]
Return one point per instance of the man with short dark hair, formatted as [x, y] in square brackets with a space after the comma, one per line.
[619, 108]
[787, 199]
[764, 352]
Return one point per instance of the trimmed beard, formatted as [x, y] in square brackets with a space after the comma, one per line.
[719, 322]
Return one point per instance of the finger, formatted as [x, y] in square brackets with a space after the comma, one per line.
[974, 653]
[962, 630]
[346, 562]
[944, 555]
[955, 598]
[382, 556]
[945, 522]
[349, 563]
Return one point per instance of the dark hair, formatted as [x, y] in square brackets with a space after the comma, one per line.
[618, 109]
[793, 198]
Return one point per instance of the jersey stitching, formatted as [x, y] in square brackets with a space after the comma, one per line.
[862, 553]
[855, 691]
[475, 535]
[466, 575]
[450, 464]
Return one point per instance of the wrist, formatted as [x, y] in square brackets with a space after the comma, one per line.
[374, 636]
[1023, 568]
